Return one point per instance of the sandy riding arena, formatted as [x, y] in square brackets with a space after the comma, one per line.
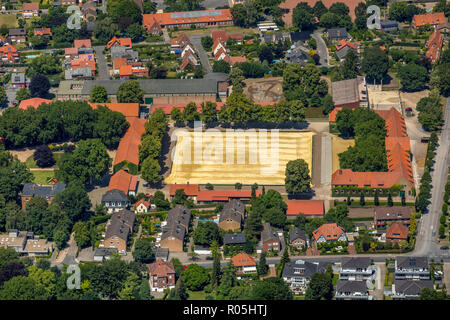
[237, 156]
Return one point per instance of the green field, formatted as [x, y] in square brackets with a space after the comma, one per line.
[41, 177]
[9, 20]
[196, 295]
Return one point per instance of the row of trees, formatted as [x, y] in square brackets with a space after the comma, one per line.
[424, 195]
[369, 131]
[303, 16]
[443, 219]
[151, 147]
[431, 114]
[240, 109]
[61, 120]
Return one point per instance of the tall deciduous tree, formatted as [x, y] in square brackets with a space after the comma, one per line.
[298, 178]
[39, 86]
[130, 91]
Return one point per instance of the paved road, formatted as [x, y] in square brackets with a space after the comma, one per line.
[428, 233]
[103, 73]
[322, 49]
[196, 41]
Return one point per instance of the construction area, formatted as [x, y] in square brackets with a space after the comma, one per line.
[265, 89]
[339, 145]
[237, 156]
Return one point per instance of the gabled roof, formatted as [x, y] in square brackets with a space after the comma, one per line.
[333, 114]
[17, 32]
[143, 202]
[234, 238]
[300, 268]
[120, 224]
[176, 18]
[123, 181]
[429, 18]
[33, 102]
[189, 189]
[396, 212]
[70, 51]
[128, 109]
[296, 233]
[330, 231]
[345, 43]
[114, 195]
[412, 287]
[224, 195]
[233, 210]
[125, 42]
[434, 45]
[126, 70]
[351, 286]
[32, 6]
[397, 231]
[243, 260]
[82, 43]
[34, 190]
[161, 268]
[412, 262]
[337, 33]
[269, 234]
[128, 149]
[307, 207]
[355, 262]
[42, 31]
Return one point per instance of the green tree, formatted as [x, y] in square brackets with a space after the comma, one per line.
[227, 281]
[389, 200]
[375, 63]
[136, 32]
[143, 251]
[327, 104]
[39, 86]
[376, 200]
[190, 113]
[350, 68]
[176, 115]
[150, 171]
[262, 267]
[82, 234]
[206, 233]
[150, 147]
[130, 91]
[124, 13]
[413, 77]
[207, 43]
[195, 277]
[99, 94]
[22, 94]
[297, 177]
[302, 17]
[22, 288]
[320, 287]
[362, 200]
[271, 289]
[221, 66]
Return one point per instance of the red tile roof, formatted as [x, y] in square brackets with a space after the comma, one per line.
[223, 36]
[307, 207]
[343, 43]
[224, 195]
[145, 203]
[397, 231]
[202, 16]
[189, 189]
[289, 5]
[83, 63]
[125, 42]
[32, 6]
[243, 260]
[234, 60]
[33, 102]
[161, 268]
[398, 157]
[330, 231]
[9, 53]
[128, 149]
[434, 45]
[70, 51]
[124, 181]
[126, 70]
[127, 109]
[42, 31]
[429, 18]
[82, 43]
[333, 114]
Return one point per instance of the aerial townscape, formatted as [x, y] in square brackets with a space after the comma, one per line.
[224, 150]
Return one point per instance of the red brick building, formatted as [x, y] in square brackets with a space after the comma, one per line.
[161, 275]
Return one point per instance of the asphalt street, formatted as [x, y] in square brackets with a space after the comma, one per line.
[196, 41]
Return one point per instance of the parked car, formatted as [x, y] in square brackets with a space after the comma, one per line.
[444, 248]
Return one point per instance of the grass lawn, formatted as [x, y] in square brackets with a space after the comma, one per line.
[299, 297]
[335, 279]
[197, 295]
[30, 163]
[41, 177]
[9, 20]
[315, 112]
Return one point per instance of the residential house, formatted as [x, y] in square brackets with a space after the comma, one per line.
[191, 190]
[33, 102]
[203, 18]
[352, 290]
[336, 34]
[152, 26]
[329, 232]
[122, 180]
[351, 93]
[82, 43]
[431, 19]
[297, 238]
[118, 229]
[39, 32]
[223, 36]
[177, 225]
[344, 46]
[30, 9]
[89, 11]
[118, 52]
[275, 37]
[236, 238]
[399, 160]
[18, 80]
[79, 73]
[177, 44]
[302, 36]
[18, 35]
[68, 2]
[384, 216]
[434, 46]
[297, 274]
[123, 42]
[232, 215]
[270, 239]
[358, 268]
[115, 200]
[48, 192]
[9, 54]
[397, 232]
[310, 208]
[161, 275]
[244, 263]
[142, 206]
[101, 254]
[25, 243]
[127, 71]
[412, 268]
[409, 289]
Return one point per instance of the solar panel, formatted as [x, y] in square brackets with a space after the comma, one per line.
[195, 14]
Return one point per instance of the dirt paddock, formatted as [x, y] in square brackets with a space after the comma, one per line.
[339, 145]
[265, 89]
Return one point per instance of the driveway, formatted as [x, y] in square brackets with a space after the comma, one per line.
[196, 41]
[103, 73]
[322, 49]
